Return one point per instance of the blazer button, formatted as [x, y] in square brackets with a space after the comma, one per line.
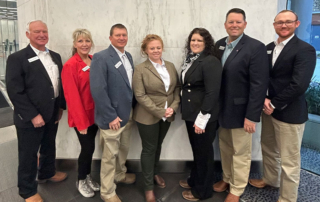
[189, 100]
[52, 98]
[188, 84]
[51, 86]
[189, 90]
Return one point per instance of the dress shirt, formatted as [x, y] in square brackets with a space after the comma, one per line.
[228, 49]
[51, 68]
[165, 76]
[278, 48]
[126, 63]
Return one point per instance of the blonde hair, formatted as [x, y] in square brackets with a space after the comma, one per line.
[147, 40]
[78, 33]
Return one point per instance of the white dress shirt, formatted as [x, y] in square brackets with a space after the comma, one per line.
[165, 76]
[278, 48]
[51, 68]
[126, 63]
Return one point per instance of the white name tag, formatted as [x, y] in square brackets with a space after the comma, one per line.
[269, 51]
[222, 47]
[33, 59]
[118, 64]
[85, 68]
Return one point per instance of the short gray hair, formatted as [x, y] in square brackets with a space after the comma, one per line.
[28, 24]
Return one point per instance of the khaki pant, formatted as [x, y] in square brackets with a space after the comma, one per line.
[115, 146]
[235, 148]
[280, 144]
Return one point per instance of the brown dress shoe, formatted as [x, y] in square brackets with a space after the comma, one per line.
[259, 183]
[115, 198]
[130, 178]
[159, 181]
[34, 198]
[189, 196]
[232, 198]
[184, 184]
[220, 186]
[58, 177]
[150, 197]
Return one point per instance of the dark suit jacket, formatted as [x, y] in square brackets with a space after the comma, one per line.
[201, 88]
[244, 82]
[110, 88]
[289, 79]
[30, 89]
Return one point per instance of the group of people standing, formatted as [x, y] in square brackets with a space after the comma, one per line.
[223, 86]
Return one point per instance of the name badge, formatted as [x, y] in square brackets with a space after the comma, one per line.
[33, 59]
[85, 68]
[118, 64]
[222, 47]
[269, 51]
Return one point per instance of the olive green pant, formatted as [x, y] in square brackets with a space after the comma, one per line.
[151, 137]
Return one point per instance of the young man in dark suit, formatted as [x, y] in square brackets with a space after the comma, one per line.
[291, 62]
[111, 89]
[34, 88]
[243, 89]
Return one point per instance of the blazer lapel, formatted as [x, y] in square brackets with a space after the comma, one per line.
[285, 50]
[235, 50]
[115, 58]
[193, 67]
[37, 63]
[150, 66]
[171, 74]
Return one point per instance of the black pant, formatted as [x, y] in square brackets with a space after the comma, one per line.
[201, 176]
[29, 141]
[151, 137]
[87, 143]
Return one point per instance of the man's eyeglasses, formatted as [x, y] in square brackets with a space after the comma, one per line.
[287, 23]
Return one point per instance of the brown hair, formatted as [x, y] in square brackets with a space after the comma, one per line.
[119, 26]
[78, 33]
[285, 11]
[147, 40]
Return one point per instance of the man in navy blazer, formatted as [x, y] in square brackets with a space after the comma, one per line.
[243, 89]
[35, 90]
[291, 62]
[111, 88]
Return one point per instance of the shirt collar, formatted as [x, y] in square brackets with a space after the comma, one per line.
[38, 51]
[233, 43]
[156, 64]
[119, 52]
[284, 42]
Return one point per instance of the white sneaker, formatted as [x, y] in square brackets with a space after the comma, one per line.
[84, 188]
[92, 184]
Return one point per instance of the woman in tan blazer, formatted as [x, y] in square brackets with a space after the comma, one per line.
[156, 88]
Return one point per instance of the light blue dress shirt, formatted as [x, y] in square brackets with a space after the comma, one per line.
[228, 49]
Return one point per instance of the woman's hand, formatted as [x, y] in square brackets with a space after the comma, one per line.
[169, 112]
[83, 132]
[198, 130]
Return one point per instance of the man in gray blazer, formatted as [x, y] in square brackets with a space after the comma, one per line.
[111, 89]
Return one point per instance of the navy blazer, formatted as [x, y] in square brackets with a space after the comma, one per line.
[244, 82]
[30, 89]
[110, 88]
[289, 79]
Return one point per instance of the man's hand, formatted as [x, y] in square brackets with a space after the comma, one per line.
[198, 130]
[83, 132]
[169, 112]
[267, 109]
[115, 124]
[60, 115]
[249, 126]
[38, 121]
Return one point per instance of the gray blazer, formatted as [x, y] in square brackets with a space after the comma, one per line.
[110, 88]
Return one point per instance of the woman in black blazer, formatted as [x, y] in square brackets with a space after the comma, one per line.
[200, 78]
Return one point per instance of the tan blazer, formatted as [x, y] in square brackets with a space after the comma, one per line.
[151, 94]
